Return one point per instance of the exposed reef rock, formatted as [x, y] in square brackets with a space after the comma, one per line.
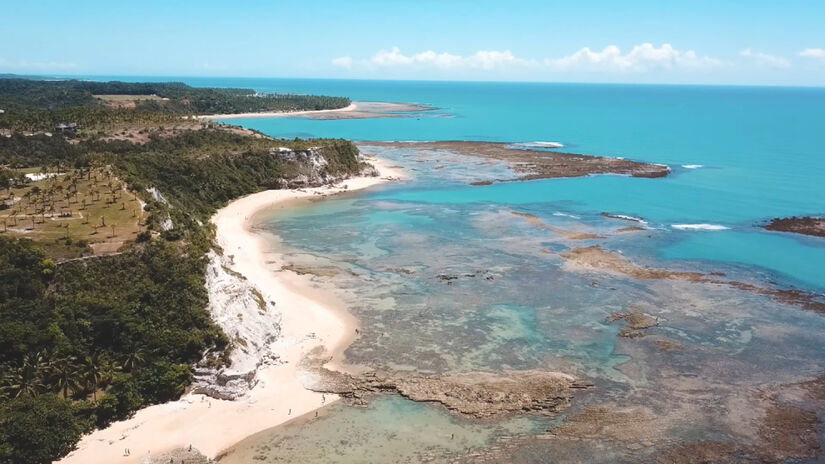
[799, 225]
[637, 322]
[477, 394]
[181, 455]
[251, 323]
[538, 164]
[597, 258]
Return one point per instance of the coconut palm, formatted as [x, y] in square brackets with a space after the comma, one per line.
[133, 361]
[27, 380]
[92, 372]
[66, 374]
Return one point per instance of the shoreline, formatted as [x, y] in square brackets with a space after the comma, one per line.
[355, 110]
[309, 320]
[276, 114]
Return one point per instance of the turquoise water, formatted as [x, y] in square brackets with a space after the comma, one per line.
[758, 148]
[445, 278]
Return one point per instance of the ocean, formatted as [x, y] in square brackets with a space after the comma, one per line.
[739, 156]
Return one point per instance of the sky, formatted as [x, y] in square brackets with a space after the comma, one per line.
[748, 42]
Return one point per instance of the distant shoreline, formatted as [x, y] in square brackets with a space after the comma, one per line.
[355, 110]
[275, 114]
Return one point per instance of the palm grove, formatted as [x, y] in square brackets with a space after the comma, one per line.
[89, 340]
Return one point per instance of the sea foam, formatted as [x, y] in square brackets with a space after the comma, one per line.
[692, 166]
[559, 213]
[540, 144]
[709, 227]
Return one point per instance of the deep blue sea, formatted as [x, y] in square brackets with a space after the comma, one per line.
[739, 156]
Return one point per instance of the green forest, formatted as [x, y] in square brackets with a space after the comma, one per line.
[33, 105]
[78, 348]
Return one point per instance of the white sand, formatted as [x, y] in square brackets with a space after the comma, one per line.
[309, 319]
[277, 114]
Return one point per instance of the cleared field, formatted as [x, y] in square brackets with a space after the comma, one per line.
[73, 213]
[127, 98]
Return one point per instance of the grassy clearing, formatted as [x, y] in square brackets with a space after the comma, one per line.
[126, 98]
[73, 213]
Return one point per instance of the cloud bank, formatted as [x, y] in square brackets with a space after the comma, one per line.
[641, 58]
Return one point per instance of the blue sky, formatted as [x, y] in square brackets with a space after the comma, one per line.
[645, 41]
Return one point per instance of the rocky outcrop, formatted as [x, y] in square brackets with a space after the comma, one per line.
[312, 169]
[813, 226]
[251, 323]
[637, 323]
[477, 394]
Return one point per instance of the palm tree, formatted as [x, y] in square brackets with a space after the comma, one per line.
[66, 374]
[133, 360]
[28, 378]
[92, 373]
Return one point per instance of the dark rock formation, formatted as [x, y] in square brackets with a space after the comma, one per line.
[799, 225]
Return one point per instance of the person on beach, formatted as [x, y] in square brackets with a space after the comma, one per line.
[323, 398]
[290, 412]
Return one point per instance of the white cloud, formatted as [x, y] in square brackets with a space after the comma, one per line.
[343, 62]
[817, 54]
[482, 59]
[763, 59]
[644, 57]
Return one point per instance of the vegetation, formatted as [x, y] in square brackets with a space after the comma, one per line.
[37, 105]
[71, 212]
[78, 348]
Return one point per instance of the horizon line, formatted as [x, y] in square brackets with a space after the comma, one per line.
[478, 81]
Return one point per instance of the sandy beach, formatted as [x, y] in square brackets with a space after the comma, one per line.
[355, 110]
[310, 319]
[277, 114]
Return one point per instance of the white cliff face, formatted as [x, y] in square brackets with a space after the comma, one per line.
[251, 323]
[167, 223]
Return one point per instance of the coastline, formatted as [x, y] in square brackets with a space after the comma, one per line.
[276, 114]
[355, 110]
[310, 320]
